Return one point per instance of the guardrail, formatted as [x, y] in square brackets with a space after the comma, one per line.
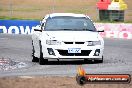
[112, 30]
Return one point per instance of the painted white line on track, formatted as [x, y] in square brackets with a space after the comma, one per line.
[26, 77]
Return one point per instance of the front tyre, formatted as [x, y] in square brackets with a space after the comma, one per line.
[100, 61]
[42, 61]
[34, 59]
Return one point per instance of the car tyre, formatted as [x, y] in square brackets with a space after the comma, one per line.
[99, 61]
[34, 59]
[42, 61]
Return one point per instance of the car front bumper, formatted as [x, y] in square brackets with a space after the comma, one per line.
[61, 52]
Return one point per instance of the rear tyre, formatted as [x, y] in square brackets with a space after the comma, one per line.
[34, 59]
[42, 61]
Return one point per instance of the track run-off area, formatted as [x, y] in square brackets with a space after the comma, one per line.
[18, 48]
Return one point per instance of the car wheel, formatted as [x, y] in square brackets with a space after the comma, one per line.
[99, 61]
[34, 59]
[42, 61]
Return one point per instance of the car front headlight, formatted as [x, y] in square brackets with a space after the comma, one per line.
[53, 42]
[93, 43]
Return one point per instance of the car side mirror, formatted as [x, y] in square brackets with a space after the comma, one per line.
[101, 29]
[38, 28]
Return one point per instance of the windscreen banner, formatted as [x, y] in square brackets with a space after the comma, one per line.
[111, 30]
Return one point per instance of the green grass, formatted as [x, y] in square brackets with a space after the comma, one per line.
[97, 21]
[14, 18]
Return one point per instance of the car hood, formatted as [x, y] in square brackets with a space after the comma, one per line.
[72, 35]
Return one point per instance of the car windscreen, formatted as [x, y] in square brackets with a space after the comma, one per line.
[69, 24]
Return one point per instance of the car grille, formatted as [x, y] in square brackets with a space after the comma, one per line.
[68, 42]
[73, 42]
[79, 42]
[83, 53]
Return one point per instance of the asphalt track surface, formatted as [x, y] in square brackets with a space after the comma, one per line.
[117, 58]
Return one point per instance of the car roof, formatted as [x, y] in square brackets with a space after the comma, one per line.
[64, 14]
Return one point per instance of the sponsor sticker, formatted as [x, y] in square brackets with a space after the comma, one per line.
[83, 78]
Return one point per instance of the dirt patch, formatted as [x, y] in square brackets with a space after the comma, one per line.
[52, 82]
[9, 64]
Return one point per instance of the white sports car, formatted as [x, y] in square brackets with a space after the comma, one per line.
[66, 36]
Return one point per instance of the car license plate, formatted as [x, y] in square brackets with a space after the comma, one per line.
[74, 50]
